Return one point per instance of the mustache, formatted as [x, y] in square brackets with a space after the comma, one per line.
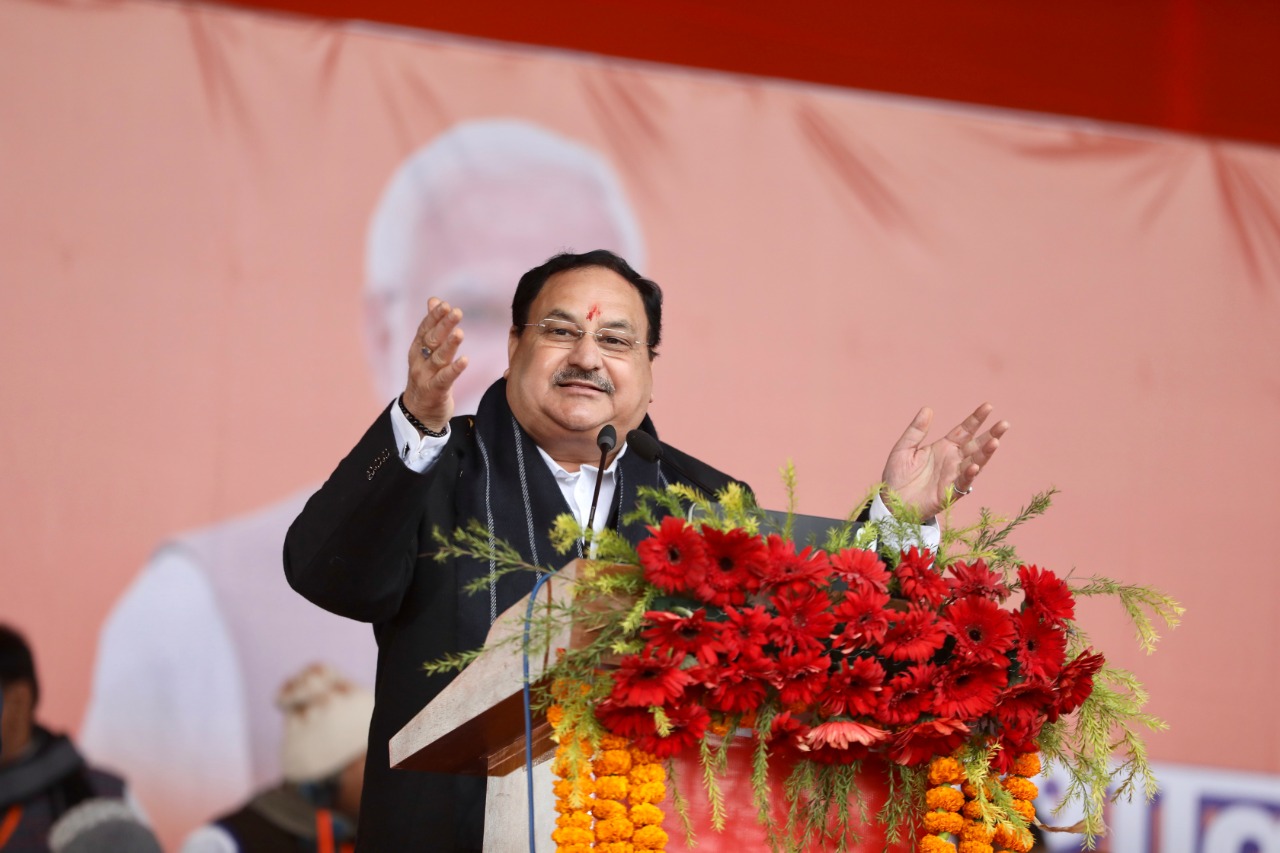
[574, 374]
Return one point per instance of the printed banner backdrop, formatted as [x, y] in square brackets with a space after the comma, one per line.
[219, 230]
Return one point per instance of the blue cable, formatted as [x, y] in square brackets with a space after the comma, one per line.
[528, 713]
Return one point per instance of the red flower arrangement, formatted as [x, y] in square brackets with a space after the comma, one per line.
[834, 655]
[909, 661]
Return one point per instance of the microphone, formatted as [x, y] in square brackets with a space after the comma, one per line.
[606, 441]
[650, 450]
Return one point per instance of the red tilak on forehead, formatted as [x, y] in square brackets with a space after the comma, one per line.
[594, 312]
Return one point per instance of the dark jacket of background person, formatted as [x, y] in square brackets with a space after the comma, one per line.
[42, 774]
[283, 820]
[50, 779]
[316, 806]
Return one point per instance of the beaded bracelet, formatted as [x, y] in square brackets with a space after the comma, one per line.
[419, 425]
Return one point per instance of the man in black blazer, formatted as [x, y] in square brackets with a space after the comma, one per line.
[585, 330]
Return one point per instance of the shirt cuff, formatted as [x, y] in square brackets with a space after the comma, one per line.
[416, 451]
[930, 533]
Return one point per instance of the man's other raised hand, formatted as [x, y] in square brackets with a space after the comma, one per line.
[921, 474]
[434, 365]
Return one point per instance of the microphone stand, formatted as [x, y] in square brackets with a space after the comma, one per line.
[606, 441]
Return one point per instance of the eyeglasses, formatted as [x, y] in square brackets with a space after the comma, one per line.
[562, 333]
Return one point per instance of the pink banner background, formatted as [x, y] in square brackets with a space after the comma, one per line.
[186, 195]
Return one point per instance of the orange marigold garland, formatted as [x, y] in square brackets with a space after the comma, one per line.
[613, 827]
[959, 813]
[574, 832]
[975, 834]
[611, 803]
[648, 783]
[1009, 838]
[943, 802]
[934, 844]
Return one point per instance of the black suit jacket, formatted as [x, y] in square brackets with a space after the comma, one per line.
[361, 548]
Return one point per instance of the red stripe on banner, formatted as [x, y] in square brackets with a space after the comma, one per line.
[1182, 64]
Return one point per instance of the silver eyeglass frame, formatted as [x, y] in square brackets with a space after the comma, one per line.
[633, 344]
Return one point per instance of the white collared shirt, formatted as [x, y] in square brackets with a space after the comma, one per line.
[419, 452]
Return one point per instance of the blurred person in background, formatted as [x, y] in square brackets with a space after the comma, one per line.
[191, 655]
[102, 826]
[317, 806]
[42, 774]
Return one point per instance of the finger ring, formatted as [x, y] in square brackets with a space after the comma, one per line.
[426, 352]
[961, 492]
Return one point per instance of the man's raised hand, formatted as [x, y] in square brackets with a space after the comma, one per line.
[920, 474]
[434, 365]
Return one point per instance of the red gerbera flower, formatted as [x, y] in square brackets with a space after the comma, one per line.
[854, 688]
[674, 558]
[968, 690]
[1042, 647]
[735, 563]
[1047, 595]
[861, 569]
[983, 631]
[787, 568]
[1075, 682]
[800, 676]
[786, 734]
[841, 741]
[803, 618]
[1013, 742]
[907, 695]
[741, 686]
[679, 635]
[625, 721]
[976, 579]
[821, 753]
[914, 635]
[1022, 707]
[745, 632]
[865, 617]
[688, 725]
[704, 675]
[927, 739]
[1019, 716]
[917, 579]
[786, 723]
[648, 679]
